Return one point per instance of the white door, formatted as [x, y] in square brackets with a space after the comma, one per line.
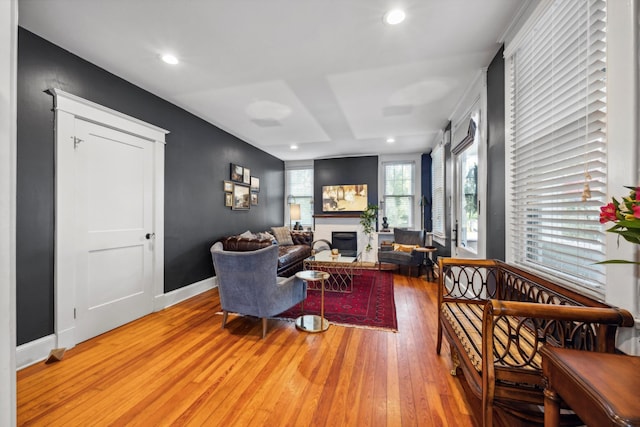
[468, 237]
[114, 228]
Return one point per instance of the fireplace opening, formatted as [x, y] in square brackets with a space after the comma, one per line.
[346, 242]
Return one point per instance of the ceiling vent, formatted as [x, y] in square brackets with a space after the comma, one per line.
[397, 110]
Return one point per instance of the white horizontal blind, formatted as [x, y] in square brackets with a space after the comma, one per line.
[437, 209]
[300, 187]
[558, 142]
[399, 193]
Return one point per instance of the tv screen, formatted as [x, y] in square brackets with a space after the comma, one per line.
[344, 198]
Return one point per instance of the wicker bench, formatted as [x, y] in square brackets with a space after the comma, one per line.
[496, 318]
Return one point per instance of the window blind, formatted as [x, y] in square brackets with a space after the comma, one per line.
[437, 172]
[557, 98]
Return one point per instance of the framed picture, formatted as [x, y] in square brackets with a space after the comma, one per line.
[246, 176]
[228, 199]
[255, 184]
[237, 173]
[254, 199]
[228, 187]
[241, 197]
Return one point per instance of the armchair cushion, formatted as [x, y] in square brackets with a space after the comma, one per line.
[404, 248]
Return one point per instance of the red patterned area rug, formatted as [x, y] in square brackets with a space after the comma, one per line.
[370, 305]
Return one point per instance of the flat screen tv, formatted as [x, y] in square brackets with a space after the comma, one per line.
[344, 198]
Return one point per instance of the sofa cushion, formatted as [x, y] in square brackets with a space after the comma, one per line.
[283, 235]
[466, 322]
[292, 254]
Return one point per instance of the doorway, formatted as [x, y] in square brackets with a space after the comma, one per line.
[468, 234]
[109, 219]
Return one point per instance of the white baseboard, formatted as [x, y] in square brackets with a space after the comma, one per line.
[38, 350]
[174, 297]
[34, 351]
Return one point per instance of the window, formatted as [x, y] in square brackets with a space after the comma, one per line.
[399, 193]
[437, 172]
[557, 147]
[300, 191]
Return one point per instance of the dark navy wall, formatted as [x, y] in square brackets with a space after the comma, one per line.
[495, 159]
[427, 187]
[197, 158]
[346, 170]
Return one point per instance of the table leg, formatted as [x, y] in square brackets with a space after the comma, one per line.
[551, 408]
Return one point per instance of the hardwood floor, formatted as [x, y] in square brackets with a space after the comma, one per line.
[178, 367]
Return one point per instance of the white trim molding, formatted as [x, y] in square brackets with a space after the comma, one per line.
[8, 123]
[67, 109]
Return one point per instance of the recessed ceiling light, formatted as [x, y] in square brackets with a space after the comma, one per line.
[394, 17]
[293, 146]
[169, 59]
[391, 140]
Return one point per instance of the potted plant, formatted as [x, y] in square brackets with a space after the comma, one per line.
[367, 220]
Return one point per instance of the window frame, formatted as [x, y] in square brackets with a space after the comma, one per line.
[411, 196]
[595, 288]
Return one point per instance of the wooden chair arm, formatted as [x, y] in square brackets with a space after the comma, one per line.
[613, 316]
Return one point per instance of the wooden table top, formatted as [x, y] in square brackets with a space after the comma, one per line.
[610, 380]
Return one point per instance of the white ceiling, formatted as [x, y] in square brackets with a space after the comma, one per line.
[327, 75]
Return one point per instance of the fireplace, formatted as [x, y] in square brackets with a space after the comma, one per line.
[346, 242]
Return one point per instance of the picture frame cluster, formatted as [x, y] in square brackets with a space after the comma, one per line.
[241, 191]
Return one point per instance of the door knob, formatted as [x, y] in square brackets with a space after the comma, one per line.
[149, 235]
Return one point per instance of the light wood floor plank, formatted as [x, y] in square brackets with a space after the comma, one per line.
[178, 367]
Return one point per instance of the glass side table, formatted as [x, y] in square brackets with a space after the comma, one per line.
[313, 322]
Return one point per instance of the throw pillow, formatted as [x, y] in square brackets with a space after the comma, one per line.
[267, 236]
[283, 236]
[247, 235]
[404, 248]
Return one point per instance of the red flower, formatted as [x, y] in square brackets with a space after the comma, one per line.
[636, 211]
[608, 213]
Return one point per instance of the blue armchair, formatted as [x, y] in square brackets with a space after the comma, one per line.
[248, 283]
[406, 256]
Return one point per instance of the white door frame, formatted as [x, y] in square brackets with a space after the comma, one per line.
[8, 125]
[68, 108]
[474, 100]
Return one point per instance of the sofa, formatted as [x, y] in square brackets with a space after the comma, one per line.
[291, 252]
[496, 318]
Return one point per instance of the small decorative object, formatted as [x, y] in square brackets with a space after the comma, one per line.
[255, 184]
[228, 186]
[241, 197]
[586, 191]
[385, 224]
[254, 199]
[228, 199]
[55, 355]
[367, 220]
[335, 253]
[626, 218]
[237, 173]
